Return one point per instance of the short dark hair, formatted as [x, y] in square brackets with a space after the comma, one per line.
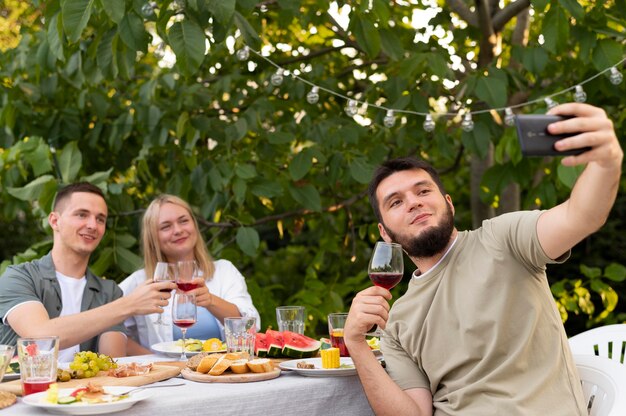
[65, 192]
[398, 165]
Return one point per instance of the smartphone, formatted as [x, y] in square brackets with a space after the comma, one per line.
[534, 139]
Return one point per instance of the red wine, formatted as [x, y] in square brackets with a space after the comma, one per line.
[35, 386]
[184, 323]
[337, 341]
[386, 280]
[187, 286]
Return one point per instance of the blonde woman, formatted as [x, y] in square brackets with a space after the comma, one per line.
[170, 234]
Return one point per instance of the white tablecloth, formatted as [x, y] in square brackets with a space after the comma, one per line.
[289, 394]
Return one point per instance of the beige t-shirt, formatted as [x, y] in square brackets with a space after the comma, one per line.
[481, 329]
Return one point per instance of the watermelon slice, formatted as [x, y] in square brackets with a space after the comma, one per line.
[275, 343]
[260, 345]
[299, 346]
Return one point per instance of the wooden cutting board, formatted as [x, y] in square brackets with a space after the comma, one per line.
[229, 377]
[157, 373]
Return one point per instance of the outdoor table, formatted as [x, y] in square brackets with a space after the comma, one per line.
[288, 394]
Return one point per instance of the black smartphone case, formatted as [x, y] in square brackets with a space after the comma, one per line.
[534, 138]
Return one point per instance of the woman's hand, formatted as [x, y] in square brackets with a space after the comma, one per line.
[204, 298]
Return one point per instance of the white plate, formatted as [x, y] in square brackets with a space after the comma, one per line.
[171, 349]
[10, 376]
[81, 408]
[318, 371]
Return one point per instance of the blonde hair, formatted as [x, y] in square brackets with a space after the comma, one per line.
[150, 237]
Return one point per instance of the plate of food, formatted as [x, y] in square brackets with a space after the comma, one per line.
[233, 367]
[89, 400]
[312, 367]
[192, 347]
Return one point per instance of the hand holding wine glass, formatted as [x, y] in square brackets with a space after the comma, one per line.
[184, 315]
[163, 272]
[186, 273]
[386, 268]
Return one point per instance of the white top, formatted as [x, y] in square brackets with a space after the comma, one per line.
[71, 298]
[227, 283]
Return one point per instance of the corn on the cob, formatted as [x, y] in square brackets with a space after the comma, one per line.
[330, 358]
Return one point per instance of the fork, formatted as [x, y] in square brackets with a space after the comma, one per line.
[136, 389]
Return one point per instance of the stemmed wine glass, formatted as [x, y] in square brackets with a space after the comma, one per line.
[386, 267]
[163, 272]
[184, 315]
[186, 271]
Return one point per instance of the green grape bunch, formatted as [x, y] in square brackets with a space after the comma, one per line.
[88, 363]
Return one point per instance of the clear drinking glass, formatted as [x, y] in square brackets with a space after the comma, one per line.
[186, 272]
[163, 272]
[38, 363]
[184, 315]
[290, 318]
[386, 268]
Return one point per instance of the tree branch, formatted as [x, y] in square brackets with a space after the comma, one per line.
[510, 11]
[460, 8]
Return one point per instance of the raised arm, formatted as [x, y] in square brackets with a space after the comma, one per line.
[594, 193]
[369, 308]
[31, 319]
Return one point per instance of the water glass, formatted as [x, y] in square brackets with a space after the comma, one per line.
[290, 318]
[336, 323]
[38, 363]
[240, 334]
[6, 354]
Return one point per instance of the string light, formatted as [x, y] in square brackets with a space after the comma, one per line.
[277, 77]
[550, 103]
[580, 96]
[509, 117]
[467, 124]
[243, 54]
[313, 96]
[389, 119]
[616, 77]
[351, 109]
[429, 123]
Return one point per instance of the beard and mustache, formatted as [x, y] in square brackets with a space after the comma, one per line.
[432, 241]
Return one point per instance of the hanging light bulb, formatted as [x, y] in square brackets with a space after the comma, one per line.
[243, 54]
[467, 124]
[429, 123]
[580, 96]
[313, 96]
[550, 102]
[509, 117]
[615, 77]
[277, 77]
[389, 119]
[351, 109]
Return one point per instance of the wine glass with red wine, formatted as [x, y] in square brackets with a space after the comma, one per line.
[386, 267]
[184, 315]
[186, 272]
[162, 272]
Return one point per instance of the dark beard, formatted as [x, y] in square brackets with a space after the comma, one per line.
[432, 241]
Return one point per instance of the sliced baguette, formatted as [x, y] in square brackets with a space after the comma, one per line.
[207, 363]
[260, 365]
[220, 366]
[240, 366]
[193, 362]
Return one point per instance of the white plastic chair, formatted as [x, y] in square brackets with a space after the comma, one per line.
[604, 385]
[606, 341]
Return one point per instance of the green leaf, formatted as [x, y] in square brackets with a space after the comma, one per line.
[248, 240]
[188, 43]
[245, 171]
[31, 191]
[391, 45]
[107, 62]
[606, 54]
[300, 165]
[539, 5]
[556, 30]
[133, 32]
[492, 90]
[70, 161]
[247, 31]
[569, 174]
[361, 170]
[103, 261]
[223, 10]
[574, 8]
[366, 34]
[54, 36]
[590, 272]
[181, 123]
[99, 179]
[307, 196]
[114, 9]
[75, 15]
[266, 188]
[125, 240]
[127, 260]
[615, 272]
[39, 159]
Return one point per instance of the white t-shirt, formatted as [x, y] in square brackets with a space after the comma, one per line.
[71, 297]
[227, 283]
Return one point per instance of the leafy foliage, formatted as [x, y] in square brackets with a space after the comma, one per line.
[148, 97]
